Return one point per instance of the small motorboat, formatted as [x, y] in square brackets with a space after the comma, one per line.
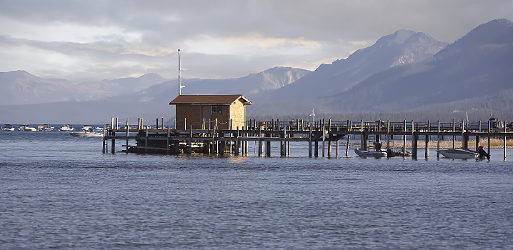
[66, 127]
[8, 127]
[26, 127]
[86, 134]
[87, 131]
[366, 153]
[458, 153]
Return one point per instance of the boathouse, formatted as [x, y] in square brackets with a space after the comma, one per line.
[209, 111]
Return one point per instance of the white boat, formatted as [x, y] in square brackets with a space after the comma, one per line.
[86, 134]
[366, 153]
[47, 127]
[87, 131]
[8, 127]
[458, 153]
[66, 127]
[26, 127]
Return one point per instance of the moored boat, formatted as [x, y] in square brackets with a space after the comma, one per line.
[366, 153]
[66, 127]
[26, 127]
[87, 131]
[458, 153]
[8, 127]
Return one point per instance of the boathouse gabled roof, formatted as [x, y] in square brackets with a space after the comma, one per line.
[209, 99]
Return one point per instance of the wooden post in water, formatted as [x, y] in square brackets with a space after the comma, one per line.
[414, 140]
[284, 142]
[438, 142]
[260, 141]
[388, 135]
[404, 139]
[454, 131]
[505, 139]
[113, 141]
[104, 141]
[237, 143]
[349, 129]
[426, 152]
[489, 127]
[127, 130]
[330, 138]
[478, 138]
[310, 141]
[162, 123]
[323, 138]
[464, 137]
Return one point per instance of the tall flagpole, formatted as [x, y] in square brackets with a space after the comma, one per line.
[179, 75]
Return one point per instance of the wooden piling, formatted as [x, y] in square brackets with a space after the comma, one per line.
[427, 139]
[127, 131]
[349, 129]
[310, 142]
[454, 131]
[489, 127]
[505, 138]
[438, 142]
[414, 140]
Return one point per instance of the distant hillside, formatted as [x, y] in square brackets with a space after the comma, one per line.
[477, 65]
[401, 48]
[254, 86]
[127, 85]
[21, 87]
[149, 103]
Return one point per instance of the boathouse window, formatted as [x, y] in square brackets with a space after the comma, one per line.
[216, 109]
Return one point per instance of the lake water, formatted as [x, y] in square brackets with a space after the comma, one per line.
[58, 191]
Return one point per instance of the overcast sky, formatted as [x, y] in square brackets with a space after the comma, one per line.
[93, 40]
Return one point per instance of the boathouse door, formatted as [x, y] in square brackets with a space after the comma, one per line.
[206, 114]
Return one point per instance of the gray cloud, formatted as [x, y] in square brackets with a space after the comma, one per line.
[146, 34]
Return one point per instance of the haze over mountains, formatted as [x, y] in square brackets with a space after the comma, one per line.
[21, 87]
[405, 71]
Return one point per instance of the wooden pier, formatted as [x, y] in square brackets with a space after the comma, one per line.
[211, 140]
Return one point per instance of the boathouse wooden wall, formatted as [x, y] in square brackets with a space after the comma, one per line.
[193, 115]
[238, 114]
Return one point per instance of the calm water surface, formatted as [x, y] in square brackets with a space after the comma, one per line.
[58, 191]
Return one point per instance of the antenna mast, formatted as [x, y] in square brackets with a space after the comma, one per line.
[179, 75]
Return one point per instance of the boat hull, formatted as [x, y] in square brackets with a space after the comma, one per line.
[365, 153]
[458, 153]
[86, 134]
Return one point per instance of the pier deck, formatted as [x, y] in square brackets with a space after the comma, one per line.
[209, 140]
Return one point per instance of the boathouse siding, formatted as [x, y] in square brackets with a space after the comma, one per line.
[202, 111]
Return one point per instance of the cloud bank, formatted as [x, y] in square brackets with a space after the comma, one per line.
[92, 40]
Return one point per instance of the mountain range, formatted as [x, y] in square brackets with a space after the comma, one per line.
[406, 71]
[476, 65]
[401, 48]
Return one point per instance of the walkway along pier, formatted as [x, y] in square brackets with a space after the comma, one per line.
[318, 134]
